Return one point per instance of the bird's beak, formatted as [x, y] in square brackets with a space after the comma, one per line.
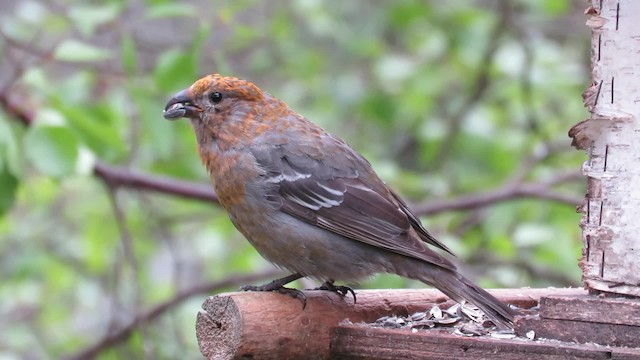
[181, 105]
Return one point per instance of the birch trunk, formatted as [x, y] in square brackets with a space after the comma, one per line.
[611, 137]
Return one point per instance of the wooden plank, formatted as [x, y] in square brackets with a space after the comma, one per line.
[625, 354]
[580, 331]
[361, 342]
[598, 309]
[274, 326]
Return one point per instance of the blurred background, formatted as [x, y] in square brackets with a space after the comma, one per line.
[462, 106]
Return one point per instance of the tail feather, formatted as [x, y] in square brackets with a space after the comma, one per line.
[459, 288]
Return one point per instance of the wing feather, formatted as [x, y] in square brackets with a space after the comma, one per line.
[341, 202]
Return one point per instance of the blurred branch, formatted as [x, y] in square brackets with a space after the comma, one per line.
[537, 190]
[125, 234]
[129, 257]
[486, 260]
[535, 157]
[480, 86]
[198, 191]
[513, 188]
[22, 115]
[47, 55]
[121, 177]
[28, 48]
[526, 86]
[126, 331]
[18, 63]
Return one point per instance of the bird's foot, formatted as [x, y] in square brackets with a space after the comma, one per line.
[294, 293]
[338, 289]
[277, 285]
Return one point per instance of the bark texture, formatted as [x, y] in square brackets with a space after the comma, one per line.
[611, 138]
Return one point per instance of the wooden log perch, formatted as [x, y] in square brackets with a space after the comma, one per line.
[261, 325]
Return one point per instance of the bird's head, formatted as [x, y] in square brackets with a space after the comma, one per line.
[213, 97]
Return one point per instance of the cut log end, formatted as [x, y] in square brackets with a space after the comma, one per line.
[218, 328]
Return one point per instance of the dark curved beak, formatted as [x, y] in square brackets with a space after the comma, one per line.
[181, 105]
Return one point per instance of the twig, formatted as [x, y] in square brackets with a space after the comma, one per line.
[129, 254]
[120, 177]
[48, 55]
[481, 84]
[486, 259]
[123, 333]
[22, 115]
[538, 190]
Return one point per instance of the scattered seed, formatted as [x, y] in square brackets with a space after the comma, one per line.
[472, 330]
[460, 333]
[448, 321]
[424, 324]
[392, 324]
[503, 334]
[436, 312]
[418, 316]
[453, 310]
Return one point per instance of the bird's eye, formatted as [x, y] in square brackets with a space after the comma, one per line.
[215, 97]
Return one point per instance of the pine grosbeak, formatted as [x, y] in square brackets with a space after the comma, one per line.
[307, 201]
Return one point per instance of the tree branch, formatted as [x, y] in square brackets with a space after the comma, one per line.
[120, 177]
[126, 331]
[539, 190]
[486, 259]
[21, 115]
[480, 86]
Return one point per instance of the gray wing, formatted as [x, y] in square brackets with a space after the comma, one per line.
[344, 198]
[417, 225]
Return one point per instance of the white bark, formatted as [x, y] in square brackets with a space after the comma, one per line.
[611, 137]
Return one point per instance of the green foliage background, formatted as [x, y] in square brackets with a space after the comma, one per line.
[447, 99]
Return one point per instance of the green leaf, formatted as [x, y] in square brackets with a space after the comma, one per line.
[161, 133]
[36, 78]
[76, 51]
[88, 18]
[96, 126]
[175, 70]
[128, 54]
[8, 187]
[9, 151]
[555, 7]
[53, 150]
[170, 10]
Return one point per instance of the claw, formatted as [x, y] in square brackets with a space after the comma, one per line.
[338, 289]
[294, 293]
[278, 286]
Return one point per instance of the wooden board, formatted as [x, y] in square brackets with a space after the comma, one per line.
[361, 342]
[580, 331]
[623, 311]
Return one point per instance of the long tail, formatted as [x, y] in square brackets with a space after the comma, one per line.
[459, 288]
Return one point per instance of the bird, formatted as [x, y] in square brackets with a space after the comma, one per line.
[307, 201]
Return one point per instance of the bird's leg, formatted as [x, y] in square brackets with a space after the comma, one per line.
[338, 289]
[274, 285]
[277, 285]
